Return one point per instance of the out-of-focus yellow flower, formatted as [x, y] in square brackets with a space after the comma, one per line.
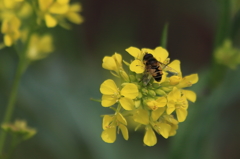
[20, 128]
[228, 55]
[10, 29]
[111, 94]
[39, 46]
[54, 12]
[177, 102]
[73, 13]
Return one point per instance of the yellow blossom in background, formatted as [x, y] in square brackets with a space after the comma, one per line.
[10, 29]
[156, 106]
[39, 46]
[227, 55]
[20, 128]
[55, 12]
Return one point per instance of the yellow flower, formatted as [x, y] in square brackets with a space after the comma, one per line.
[184, 82]
[19, 128]
[54, 12]
[73, 15]
[110, 124]
[114, 63]
[39, 46]
[10, 29]
[111, 94]
[177, 102]
[155, 104]
[137, 65]
[150, 104]
[227, 54]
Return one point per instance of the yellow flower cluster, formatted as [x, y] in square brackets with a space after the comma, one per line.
[19, 128]
[227, 55]
[157, 106]
[21, 20]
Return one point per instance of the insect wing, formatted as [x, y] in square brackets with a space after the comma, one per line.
[169, 69]
[146, 78]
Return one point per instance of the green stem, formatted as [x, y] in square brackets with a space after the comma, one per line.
[164, 36]
[11, 101]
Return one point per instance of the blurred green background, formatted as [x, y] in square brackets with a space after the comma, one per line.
[54, 93]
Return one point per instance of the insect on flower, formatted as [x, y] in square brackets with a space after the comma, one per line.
[154, 68]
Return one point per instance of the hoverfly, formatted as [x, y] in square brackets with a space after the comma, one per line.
[154, 68]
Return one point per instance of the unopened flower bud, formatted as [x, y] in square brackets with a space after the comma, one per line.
[152, 93]
[160, 92]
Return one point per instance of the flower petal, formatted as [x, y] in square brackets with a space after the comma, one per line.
[109, 63]
[50, 21]
[108, 87]
[124, 131]
[118, 59]
[157, 113]
[190, 95]
[141, 116]
[127, 103]
[121, 119]
[181, 114]
[193, 78]
[130, 90]
[135, 52]
[175, 65]
[107, 119]
[160, 54]
[170, 107]
[164, 129]
[58, 8]
[108, 100]
[109, 135]
[137, 66]
[174, 94]
[150, 138]
[161, 101]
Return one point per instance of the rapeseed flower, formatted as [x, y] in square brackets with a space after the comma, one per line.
[55, 12]
[158, 106]
[39, 46]
[20, 129]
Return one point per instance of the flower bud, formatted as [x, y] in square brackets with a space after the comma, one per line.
[144, 91]
[137, 103]
[152, 93]
[167, 89]
[139, 95]
[156, 85]
[160, 92]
